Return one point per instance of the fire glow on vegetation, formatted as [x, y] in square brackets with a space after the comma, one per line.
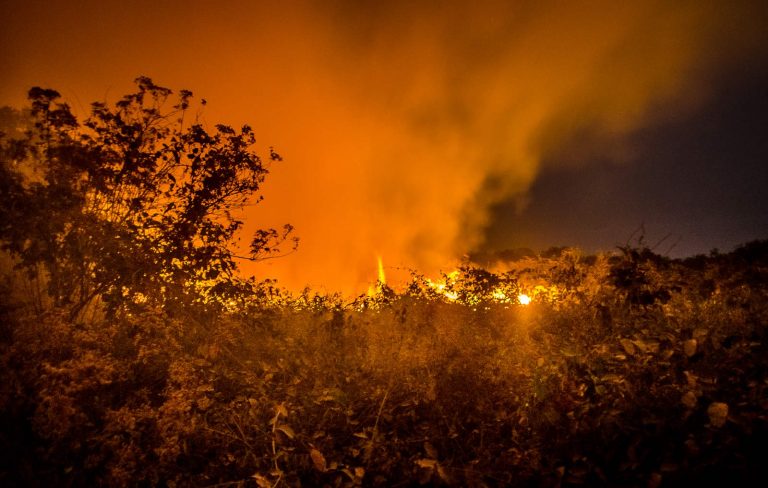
[452, 287]
[444, 286]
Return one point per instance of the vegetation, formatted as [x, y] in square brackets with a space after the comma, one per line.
[132, 206]
[131, 354]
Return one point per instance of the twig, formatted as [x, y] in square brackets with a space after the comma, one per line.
[381, 407]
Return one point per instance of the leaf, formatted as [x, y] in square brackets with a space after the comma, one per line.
[689, 347]
[700, 333]
[426, 463]
[646, 346]
[287, 430]
[281, 410]
[718, 413]
[443, 474]
[689, 399]
[628, 346]
[611, 378]
[261, 481]
[426, 470]
[356, 476]
[430, 450]
[318, 460]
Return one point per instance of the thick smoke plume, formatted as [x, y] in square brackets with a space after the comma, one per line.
[400, 122]
[429, 114]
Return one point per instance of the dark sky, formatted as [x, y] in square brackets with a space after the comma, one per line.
[696, 183]
[420, 131]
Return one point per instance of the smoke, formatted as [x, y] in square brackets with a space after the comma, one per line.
[436, 111]
[401, 123]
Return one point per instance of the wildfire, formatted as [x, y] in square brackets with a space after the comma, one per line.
[375, 288]
[500, 296]
[444, 286]
[382, 276]
[451, 287]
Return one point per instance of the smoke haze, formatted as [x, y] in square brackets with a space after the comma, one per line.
[401, 123]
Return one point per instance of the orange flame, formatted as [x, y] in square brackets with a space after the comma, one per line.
[382, 276]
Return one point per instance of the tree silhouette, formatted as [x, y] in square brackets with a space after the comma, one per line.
[131, 205]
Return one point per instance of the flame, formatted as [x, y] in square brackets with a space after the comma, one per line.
[441, 287]
[376, 287]
[500, 296]
[382, 276]
[451, 295]
[450, 287]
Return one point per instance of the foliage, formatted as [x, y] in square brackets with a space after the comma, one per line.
[133, 205]
[584, 387]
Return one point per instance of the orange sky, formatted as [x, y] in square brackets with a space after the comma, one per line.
[400, 122]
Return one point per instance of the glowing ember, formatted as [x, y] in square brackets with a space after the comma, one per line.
[523, 299]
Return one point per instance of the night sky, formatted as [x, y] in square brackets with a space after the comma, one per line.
[695, 183]
[421, 131]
